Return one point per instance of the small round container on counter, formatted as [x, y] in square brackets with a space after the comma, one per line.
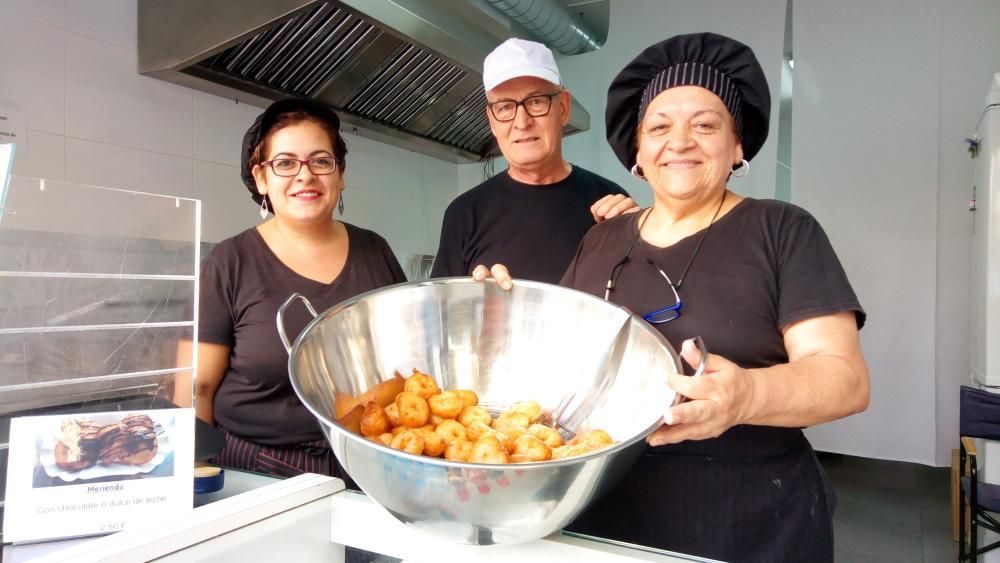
[208, 479]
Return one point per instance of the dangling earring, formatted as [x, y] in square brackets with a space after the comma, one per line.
[340, 204]
[263, 207]
[637, 171]
[742, 170]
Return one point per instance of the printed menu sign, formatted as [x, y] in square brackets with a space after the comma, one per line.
[12, 126]
[94, 473]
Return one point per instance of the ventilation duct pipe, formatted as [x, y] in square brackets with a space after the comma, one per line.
[551, 23]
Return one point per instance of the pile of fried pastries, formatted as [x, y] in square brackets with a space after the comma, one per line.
[413, 415]
[85, 443]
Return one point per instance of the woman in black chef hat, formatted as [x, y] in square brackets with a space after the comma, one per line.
[730, 475]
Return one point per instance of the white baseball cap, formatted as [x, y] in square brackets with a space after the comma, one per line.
[516, 57]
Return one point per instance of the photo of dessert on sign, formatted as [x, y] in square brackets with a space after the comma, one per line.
[104, 447]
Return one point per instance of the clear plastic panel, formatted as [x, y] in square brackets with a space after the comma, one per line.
[96, 285]
[52, 304]
[46, 360]
[63, 229]
[97, 288]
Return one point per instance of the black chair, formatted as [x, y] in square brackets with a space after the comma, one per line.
[979, 417]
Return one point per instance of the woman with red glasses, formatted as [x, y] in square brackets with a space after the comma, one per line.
[293, 163]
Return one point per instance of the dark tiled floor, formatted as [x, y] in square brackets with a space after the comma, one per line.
[890, 511]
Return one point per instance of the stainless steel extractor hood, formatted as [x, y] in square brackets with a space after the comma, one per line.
[405, 72]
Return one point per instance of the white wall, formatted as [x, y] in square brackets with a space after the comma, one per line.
[884, 93]
[865, 133]
[883, 97]
[965, 76]
[70, 66]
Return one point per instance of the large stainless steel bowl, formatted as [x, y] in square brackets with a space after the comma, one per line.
[538, 341]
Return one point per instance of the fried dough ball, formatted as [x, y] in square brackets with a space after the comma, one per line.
[392, 413]
[530, 408]
[550, 436]
[563, 452]
[469, 397]
[374, 421]
[434, 443]
[410, 441]
[473, 414]
[435, 419]
[511, 419]
[531, 448]
[421, 384]
[477, 429]
[458, 450]
[413, 409]
[515, 432]
[385, 438]
[397, 429]
[447, 404]
[506, 441]
[451, 430]
[488, 449]
[593, 439]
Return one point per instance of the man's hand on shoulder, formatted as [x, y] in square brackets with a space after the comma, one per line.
[612, 206]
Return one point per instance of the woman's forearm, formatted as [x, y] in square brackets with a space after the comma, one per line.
[213, 362]
[203, 404]
[826, 377]
[809, 391]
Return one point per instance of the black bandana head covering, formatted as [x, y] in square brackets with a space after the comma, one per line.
[719, 64]
[262, 126]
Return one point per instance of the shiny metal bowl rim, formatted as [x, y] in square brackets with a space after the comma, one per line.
[441, 461]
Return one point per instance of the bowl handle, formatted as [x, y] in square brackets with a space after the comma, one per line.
[700, 344]
[280, 318]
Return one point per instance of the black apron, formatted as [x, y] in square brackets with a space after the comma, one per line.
[772, 507]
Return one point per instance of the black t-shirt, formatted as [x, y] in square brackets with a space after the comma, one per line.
[533, 230]
[242, 285]
[763, 266]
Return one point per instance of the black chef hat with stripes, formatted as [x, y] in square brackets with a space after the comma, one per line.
[719, 64]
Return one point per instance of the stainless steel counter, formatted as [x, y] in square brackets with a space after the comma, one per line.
[304, 519]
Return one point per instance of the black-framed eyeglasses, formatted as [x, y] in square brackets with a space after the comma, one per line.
[660, 316]
[319, 166]
[538, 105]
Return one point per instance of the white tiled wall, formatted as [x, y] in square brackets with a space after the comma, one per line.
[33, 63]
[102, 164]
[70, 67]
[217, 120]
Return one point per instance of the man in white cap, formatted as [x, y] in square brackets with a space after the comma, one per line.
[532, 216]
